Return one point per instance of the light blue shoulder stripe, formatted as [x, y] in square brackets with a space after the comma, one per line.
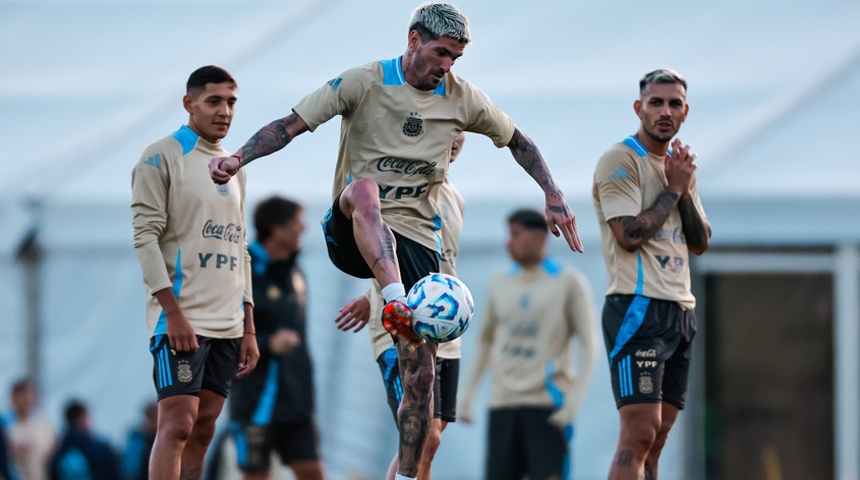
[551, 266]
[636, 145]
[440, 89]
[186, 137]
[392, 74]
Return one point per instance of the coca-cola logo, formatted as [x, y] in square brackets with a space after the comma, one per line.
[405, 167]
[229, 233]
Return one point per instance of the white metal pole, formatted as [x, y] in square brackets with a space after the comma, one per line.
[846, 338]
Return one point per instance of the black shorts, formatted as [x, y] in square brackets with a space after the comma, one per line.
[649, 343]
[522, 443]
[444, 385]
[211, 367]
[292, 441]
[415, 260]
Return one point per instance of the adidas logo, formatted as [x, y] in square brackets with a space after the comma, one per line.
[334, 83]
[154, 160]
[620, 174]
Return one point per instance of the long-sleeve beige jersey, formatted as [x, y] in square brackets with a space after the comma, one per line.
[525, 339]
[189, 234]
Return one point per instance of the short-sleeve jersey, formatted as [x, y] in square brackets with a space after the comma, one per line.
[189, 234]
[401, 137]
[527, 325]
[628, 179]
[451, 208]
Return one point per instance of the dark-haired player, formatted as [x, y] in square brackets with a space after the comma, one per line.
[190, 238]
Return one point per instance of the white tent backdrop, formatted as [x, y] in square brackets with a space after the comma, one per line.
[86, 85]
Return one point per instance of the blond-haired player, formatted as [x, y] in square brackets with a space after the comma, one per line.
[399, 120]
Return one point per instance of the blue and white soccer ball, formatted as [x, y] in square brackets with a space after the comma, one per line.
[441, 307]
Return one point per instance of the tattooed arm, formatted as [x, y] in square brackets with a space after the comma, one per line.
[632, 232]
[266, 141]
[697, 230]
[558, 214]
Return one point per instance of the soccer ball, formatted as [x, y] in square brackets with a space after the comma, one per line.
[441, 307]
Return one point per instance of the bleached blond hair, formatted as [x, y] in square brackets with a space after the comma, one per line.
[433, 20]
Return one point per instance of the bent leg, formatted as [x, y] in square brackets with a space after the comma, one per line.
[417, 371]
[176, 417]
[640, 423]
[359, 202]
[194, 455]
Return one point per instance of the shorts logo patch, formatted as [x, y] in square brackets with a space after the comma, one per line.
[652, 353]
[183, 372]
[646, 386]
[414, 124]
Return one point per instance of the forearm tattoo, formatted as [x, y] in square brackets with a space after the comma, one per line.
[268, 139]
[529, 157]
[694, 227]
[642, 227]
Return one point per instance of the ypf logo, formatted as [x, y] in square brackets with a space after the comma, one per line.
[414, 124]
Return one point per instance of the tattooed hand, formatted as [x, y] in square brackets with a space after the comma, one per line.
[222, 169]
[559, 217]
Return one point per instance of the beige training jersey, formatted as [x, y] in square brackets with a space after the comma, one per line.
[527, 326]
[189, 234]
[451, 207]
[628, 179]
[401, 137]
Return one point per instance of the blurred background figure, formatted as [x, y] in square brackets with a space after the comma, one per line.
[533, 313]
[5, 470]
[135, 459]
[272, 410]
[80, 453]
[31, 436]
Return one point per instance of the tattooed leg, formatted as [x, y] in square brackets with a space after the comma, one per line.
[360, 203]
[417, 372]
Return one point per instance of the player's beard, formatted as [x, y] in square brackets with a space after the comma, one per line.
[662, 138]
[426, 79]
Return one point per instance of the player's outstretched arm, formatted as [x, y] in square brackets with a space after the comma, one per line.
[266, 141]
[559, 216]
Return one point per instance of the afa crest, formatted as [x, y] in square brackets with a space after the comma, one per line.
[414, 125]
[646, 385]
[183, 372]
